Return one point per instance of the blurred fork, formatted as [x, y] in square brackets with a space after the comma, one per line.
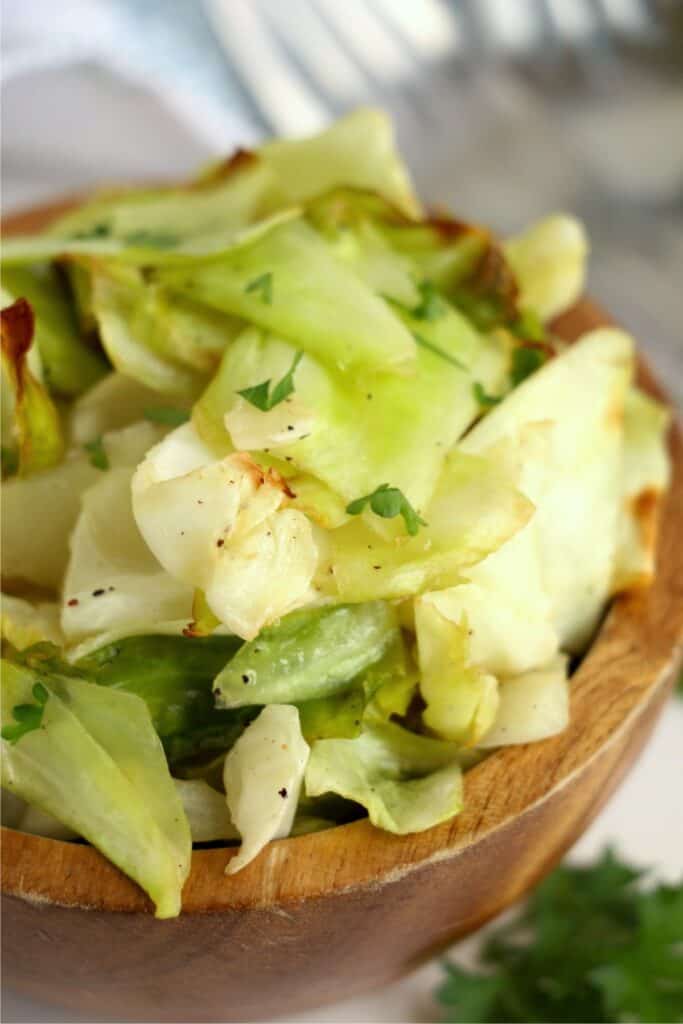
[304, 61]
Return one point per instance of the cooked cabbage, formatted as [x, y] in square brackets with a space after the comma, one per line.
[549, 260]
[31, 426]
[96, 764]
[24, 623]
[222, 526]
[113, 581]
[582, 392]
[406, 782]
[262, 775]
[645, 477]
[532, 706]
[40, 511]
[336, 517]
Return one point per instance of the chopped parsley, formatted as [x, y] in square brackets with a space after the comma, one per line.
[528, 326]
[152, 239]
[263, 398]
[453, 360]
[590, 945]
[431, 305]
[97, 453]
[388, 502]
[485, 400]
[168, 415]
[100, 230]
[263, 285]
[525, 361]
[26, 716]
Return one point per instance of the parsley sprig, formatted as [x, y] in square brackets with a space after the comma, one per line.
[591, 945]
[438, 351]
[485, 400]
[26, 716]
[100, 230]
[152, 239]
[388, 502]
[431, 305]
[525, 361]
[263, 286]
[167, 415]
[529, 326]
[263, 398]
[98, 453]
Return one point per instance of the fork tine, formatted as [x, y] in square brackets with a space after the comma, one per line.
[313, 47]
[575, 21]
[367, 41]
[629, 17]
[425, 25]
[512, 28]
[287, 103]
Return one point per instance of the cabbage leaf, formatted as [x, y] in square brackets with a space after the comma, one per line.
[532, 707]
[222, 526]
[24, 623]
[35, 426]
[263, 774]
[353, 434]
[407, 783]
[307, 655]
[357, 151]
[35, 545]
[461, 699]
[549, 261]
[112, 580]
[70, 365]
[645, 477]
[97, 765]
[582, 394]
[289, 282]
[174, 676]
[475, 509]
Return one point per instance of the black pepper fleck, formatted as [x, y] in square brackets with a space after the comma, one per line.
[283, 793]
[245, 679]
[98, 592]
[220, 543]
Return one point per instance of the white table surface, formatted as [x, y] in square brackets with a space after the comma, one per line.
[125, 134]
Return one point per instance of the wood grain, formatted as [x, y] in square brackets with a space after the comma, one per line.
[328, 915]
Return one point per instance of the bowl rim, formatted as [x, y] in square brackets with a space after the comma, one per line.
[631, 659]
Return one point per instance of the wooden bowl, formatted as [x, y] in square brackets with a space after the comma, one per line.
[329, 915]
